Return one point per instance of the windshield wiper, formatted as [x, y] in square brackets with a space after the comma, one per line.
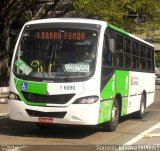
[59, 61]
[63, 68]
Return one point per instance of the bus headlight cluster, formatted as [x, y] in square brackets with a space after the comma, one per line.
[87, 100]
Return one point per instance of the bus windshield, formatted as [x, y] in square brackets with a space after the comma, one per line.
[56, 53]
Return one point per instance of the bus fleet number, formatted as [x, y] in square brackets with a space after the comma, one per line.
[67, 87]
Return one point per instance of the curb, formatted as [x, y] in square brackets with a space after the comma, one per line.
[4, 97]
[4, 114]
[4, 91]
[3, 100]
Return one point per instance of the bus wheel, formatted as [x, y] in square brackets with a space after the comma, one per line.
[140, 113]
[112, 124]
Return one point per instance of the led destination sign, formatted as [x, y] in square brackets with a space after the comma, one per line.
[61, 35]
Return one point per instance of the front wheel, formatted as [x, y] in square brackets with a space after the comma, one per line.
[112, 124]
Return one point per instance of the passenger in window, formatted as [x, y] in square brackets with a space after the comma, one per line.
[109, 58]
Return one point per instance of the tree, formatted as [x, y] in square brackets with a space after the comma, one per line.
[14, 13]
[157, 57]
[131, 15]
[10, 11]
[14, 10]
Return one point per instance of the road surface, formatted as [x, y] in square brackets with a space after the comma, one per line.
[22, 136]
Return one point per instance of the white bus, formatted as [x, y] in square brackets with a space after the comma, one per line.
[79, 72]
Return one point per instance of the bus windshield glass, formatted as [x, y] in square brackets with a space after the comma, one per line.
[56, 53]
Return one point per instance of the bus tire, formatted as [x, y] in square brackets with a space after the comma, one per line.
[140, 113]
[112, 124]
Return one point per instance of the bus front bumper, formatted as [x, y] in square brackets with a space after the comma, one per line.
[74, 114]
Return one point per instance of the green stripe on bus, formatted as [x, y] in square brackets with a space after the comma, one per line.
[33, 87]
[122, 87]
[121, 82]
[118, 29]
[118, 84]
[124, 106]
[105, 111]
[108, 93]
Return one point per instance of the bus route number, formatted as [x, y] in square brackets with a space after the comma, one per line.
[67, 87]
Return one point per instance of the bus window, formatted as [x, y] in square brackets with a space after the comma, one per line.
[149, 53]
[149, 67]
[51, 52]
[108, 56]
[142, 64]
[135, 63]
[127, 61]
[119, 60]
[142, 51]
[135, 48]
[127, 45]
[119, 43]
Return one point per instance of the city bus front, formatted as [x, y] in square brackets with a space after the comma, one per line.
[55, 76]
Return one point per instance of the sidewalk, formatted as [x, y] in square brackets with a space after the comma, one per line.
[4, 109]
[4, 91]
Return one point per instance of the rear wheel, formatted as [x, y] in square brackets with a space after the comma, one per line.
[112, 124]
[140, 113]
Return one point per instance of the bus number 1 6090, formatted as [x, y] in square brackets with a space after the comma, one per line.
[67, 87]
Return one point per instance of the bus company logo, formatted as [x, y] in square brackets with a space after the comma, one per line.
[24, 86]
[134, 80]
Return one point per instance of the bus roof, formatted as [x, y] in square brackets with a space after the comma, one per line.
[88, 21]
[68, 20]
[128, 34]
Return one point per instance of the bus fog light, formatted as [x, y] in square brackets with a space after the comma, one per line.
[87, 100]
[13, 96]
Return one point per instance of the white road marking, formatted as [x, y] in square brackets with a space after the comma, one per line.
[12, 147]
[140, 136]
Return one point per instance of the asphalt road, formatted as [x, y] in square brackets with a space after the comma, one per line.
[23, 136]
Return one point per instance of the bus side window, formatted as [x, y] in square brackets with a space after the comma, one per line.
[108, 55]
[119, 43]
[127, 60]
[127, 45]
[119, 60]
[119, 51]
[127, 51]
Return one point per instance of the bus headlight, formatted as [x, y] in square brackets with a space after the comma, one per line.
[87, 100]
[13, 96]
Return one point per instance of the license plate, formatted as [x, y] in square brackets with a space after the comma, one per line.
[45, 120]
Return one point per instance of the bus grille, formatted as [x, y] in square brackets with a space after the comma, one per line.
[45, 114]
[52, 99]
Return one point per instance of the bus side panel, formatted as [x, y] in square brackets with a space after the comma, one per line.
[140, 82]
[107, 95]
[129, 85]
[118, 84]
[122, 88]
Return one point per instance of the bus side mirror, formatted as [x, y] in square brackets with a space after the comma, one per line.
[111, 45]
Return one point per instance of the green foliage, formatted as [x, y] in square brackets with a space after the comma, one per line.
[157, 57]
[117, 12]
